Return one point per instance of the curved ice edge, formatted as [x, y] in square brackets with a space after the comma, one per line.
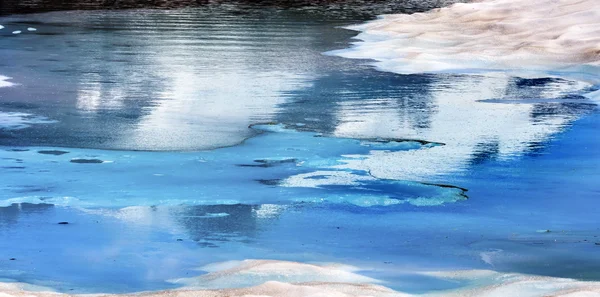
[360, 188]
[275, 127]
[463, 191]
[354, 201]
[90, 159]
[295, 279]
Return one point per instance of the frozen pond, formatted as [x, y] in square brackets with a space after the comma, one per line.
[137, 146]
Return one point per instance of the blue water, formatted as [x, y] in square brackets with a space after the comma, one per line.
[171, 140]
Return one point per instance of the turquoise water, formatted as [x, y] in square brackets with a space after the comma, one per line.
[168, 140]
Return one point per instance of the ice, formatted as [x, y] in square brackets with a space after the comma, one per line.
[268, 289]
[1, 27]
[138, 218]
[495, 284]
[249, 174]
[16, 32]
[594, 95]
[294, 279]
[30, 29]
[527, 38]
[500, 38]
[255, 272]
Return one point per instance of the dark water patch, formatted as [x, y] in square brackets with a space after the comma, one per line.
[130, 116]
[18, 105]
[318, 177]
[13, 167]
[266, 163]
[400, 140]
[270, 182]
[537, 148]
[14, 159]
[28, 22]
[7, 135]
[536, 82]
[206, 244]
[573, 97]
[275, 161]
[17, 150]
[50, 60]
[53, 152]
[46, 33]
[545, 110]
[87, 161]
[448, 187]
[484, 152]
[60, 70]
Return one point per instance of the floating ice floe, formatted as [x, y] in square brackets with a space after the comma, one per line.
[1, 27]
[30, 29]
[300, 160]
[16, 32]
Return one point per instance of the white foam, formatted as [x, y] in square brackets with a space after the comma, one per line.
[522, 36]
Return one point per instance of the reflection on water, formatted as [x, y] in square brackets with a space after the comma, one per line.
[477, 117]
[495, 117]
[207, 225]
[365, 93]
[156, 80]
[195, 79]
[10, 215]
